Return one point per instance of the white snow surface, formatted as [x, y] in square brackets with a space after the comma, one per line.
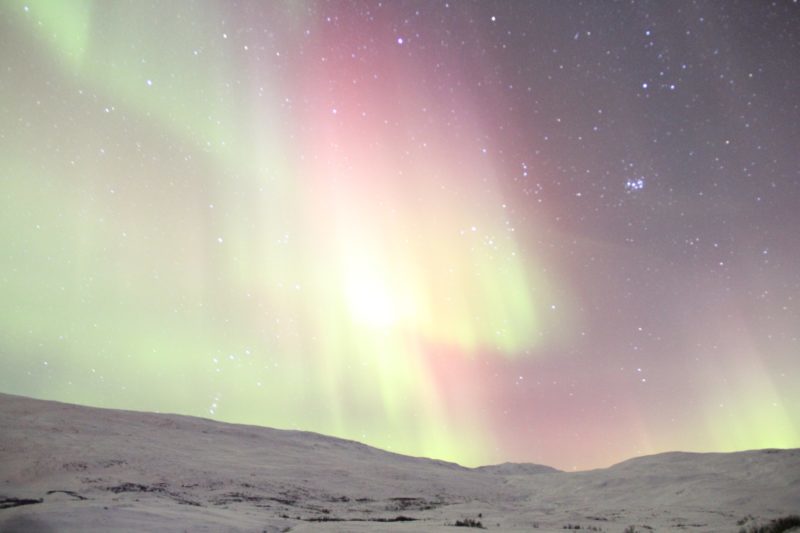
[72, 468]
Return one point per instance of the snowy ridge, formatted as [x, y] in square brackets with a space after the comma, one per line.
[517, 469]
[71, 468]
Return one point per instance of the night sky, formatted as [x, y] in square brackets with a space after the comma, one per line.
[558, 232]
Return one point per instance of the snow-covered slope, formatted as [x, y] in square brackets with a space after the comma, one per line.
[71, 468]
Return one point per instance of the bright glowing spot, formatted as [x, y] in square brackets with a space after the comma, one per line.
[371, 302]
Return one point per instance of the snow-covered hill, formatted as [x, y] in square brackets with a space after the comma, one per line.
[72, 468]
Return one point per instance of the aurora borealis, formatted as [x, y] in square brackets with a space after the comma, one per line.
[477, 231]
